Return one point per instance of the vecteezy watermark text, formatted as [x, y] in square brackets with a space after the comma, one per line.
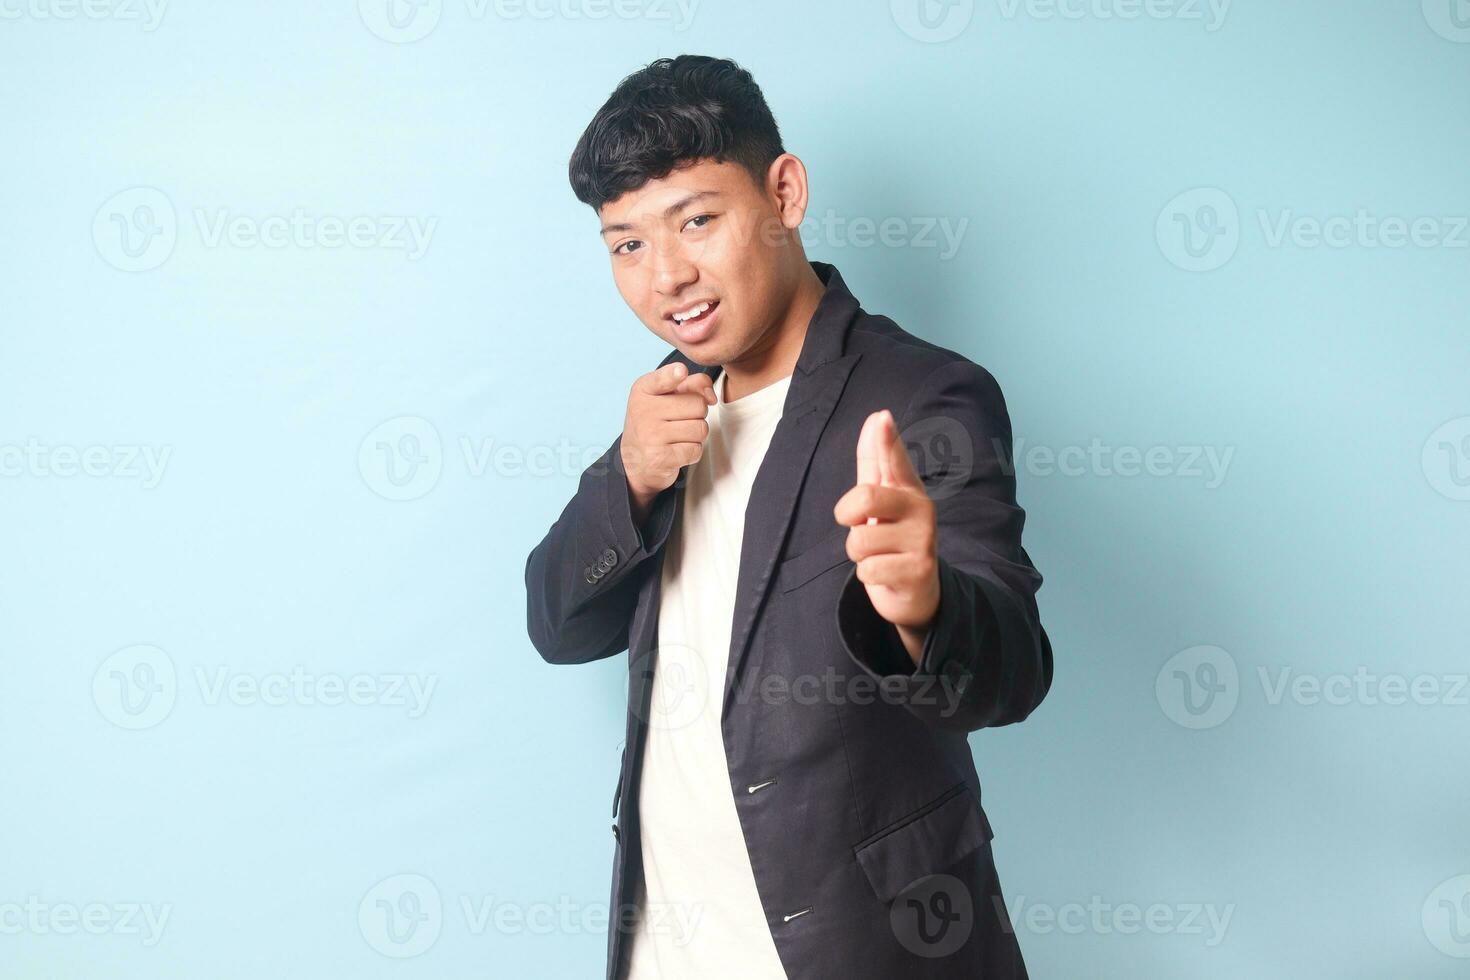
[1097, 458]
[936, 21]
[403, 915]
[137, 687]
[1100, 918]
[1201, 686]
[1201, 229]
[38, 917]
[137, 230]
[125, 461]
[148, 14]
[407, 21]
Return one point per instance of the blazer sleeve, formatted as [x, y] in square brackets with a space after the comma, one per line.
[986, 660]
[582, 580]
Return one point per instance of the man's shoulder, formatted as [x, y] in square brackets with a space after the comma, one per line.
[904, 363]
[876, 335]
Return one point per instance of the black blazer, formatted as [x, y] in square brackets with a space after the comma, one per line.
[852, 775]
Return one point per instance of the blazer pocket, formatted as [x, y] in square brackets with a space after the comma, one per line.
[800, 569]
[926, 842]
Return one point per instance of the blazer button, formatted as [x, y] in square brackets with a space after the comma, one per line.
[610, 557]
[616, 836]
[591, 576]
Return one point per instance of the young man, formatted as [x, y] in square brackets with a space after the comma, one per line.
[814, 620]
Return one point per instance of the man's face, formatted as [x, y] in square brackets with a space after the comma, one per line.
[705, 234]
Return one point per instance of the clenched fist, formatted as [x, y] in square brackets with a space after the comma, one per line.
[894, 535]
[664, 430]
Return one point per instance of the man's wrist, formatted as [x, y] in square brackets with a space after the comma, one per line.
[640, 505]
[913, 638]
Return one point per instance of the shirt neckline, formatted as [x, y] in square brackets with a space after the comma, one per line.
[775, 392]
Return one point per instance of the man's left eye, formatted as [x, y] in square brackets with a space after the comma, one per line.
[704, 218]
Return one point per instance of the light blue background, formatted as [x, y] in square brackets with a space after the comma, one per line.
[1331, 834]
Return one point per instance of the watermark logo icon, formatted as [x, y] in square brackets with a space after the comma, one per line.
[136, 687]
[1446, 459]
[1199, 230]
[400, 21]
[681, 686]
[402, 458]
[1198, 687]
[942, 453]
[136, 230]
[1450, 19]
[1446, 916]
[933, 916]
[932, 21]
[401, 916]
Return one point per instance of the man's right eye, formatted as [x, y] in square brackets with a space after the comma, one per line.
[632, 245]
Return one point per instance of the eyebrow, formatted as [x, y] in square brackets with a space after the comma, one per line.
[669, 211]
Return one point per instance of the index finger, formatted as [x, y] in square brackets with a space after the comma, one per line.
[869, 450]
[698, 383]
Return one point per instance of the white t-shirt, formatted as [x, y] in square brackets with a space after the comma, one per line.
[701, 915]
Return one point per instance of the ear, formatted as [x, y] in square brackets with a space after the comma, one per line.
[787, 187]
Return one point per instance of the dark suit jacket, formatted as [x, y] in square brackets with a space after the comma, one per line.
[852, 775]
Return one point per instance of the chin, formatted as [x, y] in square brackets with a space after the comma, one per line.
[705, 354]
[700, 356]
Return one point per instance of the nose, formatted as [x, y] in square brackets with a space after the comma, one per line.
[673, 270]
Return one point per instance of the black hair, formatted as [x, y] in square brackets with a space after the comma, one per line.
[674, 111]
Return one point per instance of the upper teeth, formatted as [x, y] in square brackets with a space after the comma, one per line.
[695, 311]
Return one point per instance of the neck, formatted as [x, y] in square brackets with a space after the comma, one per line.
[774, 357]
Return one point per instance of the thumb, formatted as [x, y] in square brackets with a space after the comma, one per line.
[665, 379]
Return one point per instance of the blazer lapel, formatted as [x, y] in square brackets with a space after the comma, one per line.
[821, 372]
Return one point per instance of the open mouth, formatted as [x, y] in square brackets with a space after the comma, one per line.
[696, 327]
[704, 309]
